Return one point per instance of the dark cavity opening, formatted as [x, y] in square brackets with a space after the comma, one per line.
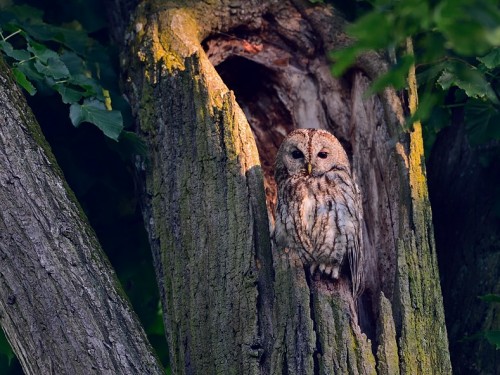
[257, 92]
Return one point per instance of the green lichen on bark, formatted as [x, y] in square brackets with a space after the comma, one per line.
[387, 351]
[423, 339]
[202, 219]
[345, 349]
[295, 337]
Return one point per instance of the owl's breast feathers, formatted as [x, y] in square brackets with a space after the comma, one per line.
[315, 219]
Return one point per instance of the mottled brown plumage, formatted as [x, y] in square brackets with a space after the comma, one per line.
[319, 212]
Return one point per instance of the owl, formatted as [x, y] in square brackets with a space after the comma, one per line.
[318, 213]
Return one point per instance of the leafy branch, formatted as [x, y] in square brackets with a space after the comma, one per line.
[457, 57]
[47, 58]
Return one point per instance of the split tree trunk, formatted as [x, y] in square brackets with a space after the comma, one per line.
[232, 303]
[61, 306]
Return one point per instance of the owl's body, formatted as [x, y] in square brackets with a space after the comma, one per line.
[319, 213]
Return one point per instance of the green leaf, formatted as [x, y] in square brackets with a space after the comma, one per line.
[76, 114]
[395, 77]
[343, 59]
[28, 68]
[76, 40]
[16, 54]
[410, 17]
[373, 29]
[469, 26]
[91, 86]
[93, 111]
[493, 36]
[426, 104]
[69, 95]
[490, 298]
[73, 62]
[477, 116]
[70, 73]
[429, 74]
[469, 79]
[23, 81]
[430, 48]
[26, 13]
[465, 24]
[493, 338]
[492, 59]
[54, 68]
[439, 117]
[41, 52]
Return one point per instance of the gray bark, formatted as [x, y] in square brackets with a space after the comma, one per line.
[232, 303]
[61, 306]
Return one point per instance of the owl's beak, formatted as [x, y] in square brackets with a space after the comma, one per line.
[309, 168]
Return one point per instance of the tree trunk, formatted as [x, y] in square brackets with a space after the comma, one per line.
[463, 182]
[232, 302]
[61, 306]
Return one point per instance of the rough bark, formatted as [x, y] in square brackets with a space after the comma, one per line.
[233, 304]
[61, 306]
[463, 185]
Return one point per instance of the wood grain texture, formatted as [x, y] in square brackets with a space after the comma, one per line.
[204, 205]
[61, 306]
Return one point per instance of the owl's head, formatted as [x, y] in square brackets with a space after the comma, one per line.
[312, 152]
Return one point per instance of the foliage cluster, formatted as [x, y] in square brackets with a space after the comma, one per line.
[46, 57]
[457, 58]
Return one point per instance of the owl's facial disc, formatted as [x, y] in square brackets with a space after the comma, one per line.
[299, 156]
[295, 157]
[321, 160]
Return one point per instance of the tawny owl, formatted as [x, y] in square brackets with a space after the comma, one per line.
[319, 212]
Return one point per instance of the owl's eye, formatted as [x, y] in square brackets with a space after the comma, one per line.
[322, 154]
[297, 154]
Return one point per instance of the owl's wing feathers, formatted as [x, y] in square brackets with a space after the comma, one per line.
[354, 250]
[348, 220]
[354, 255]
